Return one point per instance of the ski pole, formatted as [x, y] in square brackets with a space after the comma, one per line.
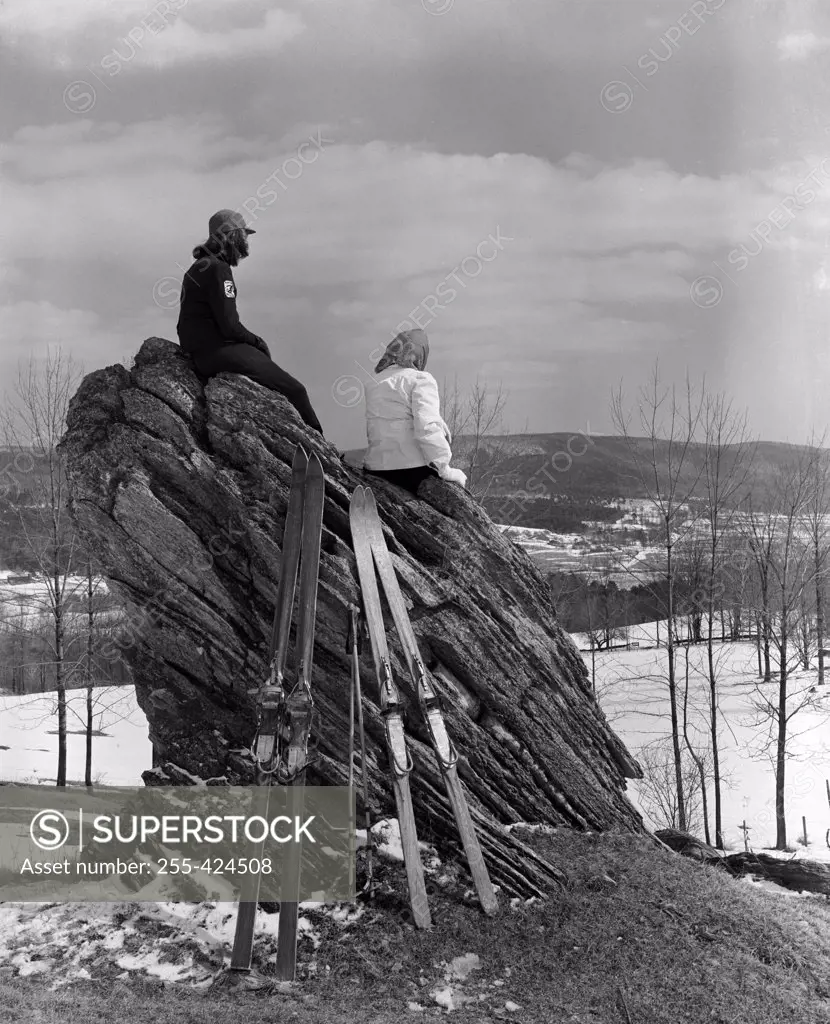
[355, 637]
[351, 721]
[353, 869]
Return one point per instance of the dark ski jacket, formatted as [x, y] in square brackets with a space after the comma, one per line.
[207, 316]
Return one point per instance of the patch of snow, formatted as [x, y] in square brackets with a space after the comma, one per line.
[462, 966]
[449, 995]
[148, 963]
[26, 968]
[445, 997]
[539, 828]
[387, 836]
[346, 914]
[387, 841]
[173, 942]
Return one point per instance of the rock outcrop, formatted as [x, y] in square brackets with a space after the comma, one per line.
[180, 488]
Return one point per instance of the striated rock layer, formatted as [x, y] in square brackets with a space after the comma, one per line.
[180, 488]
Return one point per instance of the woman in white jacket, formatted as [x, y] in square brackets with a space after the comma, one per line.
[408, 439]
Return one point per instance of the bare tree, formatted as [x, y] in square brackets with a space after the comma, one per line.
[566, 593]
[690, 583]
[33, 421]
[662, 457]
[698, 759]
[804, 633]
[734, 582]
[16, 647]
[779, 528]
[95, 616]
[659, 794]
[593, 640]
[89, 662]
[728, 457]
[481, 445]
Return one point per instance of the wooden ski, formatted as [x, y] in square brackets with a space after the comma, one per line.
[445, 751]
[300, 712]
[391, 709]
[271, 695]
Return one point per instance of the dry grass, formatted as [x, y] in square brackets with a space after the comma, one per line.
[671, 942]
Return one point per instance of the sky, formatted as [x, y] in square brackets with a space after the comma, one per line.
[560, 192]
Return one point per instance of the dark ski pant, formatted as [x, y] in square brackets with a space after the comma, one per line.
[250, 362]
[409, 479]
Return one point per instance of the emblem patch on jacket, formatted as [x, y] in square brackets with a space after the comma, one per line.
[229, 291]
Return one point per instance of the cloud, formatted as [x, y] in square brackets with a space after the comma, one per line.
[110, 35]
[183, 42]
[821, 278]
[33, 327]
[380, 226]
[801, 45]
[359, 34]
[90, 149]
[23, 18]
[399, 211]
[592, 259]
[28, 322]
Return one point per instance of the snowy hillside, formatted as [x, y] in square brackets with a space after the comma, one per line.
[190, 943]
[633, 694]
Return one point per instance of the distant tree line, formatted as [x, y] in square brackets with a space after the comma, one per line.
[27, 664]
[601, 607]
[561, 513]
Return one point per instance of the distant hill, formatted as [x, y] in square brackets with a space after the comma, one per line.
[563, 482]
[602, 468]
[598, 468]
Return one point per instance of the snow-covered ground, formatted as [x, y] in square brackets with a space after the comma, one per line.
[175, 942]
[29, 740]
[633, 692]
[620, 559]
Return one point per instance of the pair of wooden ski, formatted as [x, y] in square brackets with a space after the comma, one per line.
[373, 556]
[285, 718]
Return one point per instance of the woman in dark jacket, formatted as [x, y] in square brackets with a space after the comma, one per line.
[209, 328]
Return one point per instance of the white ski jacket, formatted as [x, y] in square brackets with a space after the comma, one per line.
[404, 427]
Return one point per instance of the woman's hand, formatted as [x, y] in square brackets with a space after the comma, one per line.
[453, 476]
